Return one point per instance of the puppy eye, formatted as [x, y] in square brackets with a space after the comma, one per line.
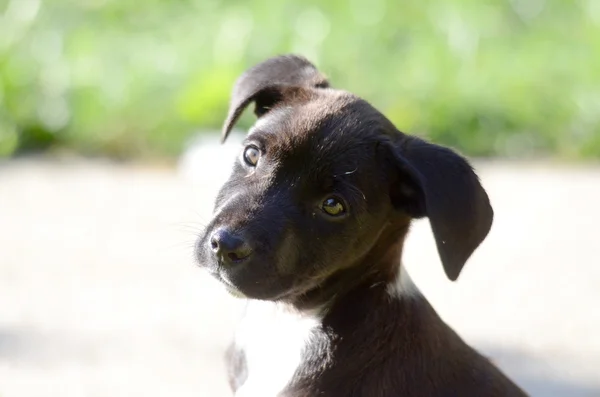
[251, 155]
[333, 206]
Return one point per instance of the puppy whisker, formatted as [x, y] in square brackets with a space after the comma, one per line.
[347, 172]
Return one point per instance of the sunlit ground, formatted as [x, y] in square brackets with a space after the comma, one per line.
[99, 295]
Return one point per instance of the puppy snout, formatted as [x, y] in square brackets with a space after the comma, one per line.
[228, 247]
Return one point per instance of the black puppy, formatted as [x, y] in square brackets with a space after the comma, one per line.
[310, 229]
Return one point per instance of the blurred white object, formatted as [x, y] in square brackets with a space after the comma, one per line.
[206, 160]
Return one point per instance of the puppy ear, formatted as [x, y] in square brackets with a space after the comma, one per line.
[268, 84]
[440, 184]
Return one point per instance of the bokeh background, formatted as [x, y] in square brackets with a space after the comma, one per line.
[109, 119]
[122, 78]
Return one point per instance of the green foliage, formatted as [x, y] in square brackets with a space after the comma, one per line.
[137, 78]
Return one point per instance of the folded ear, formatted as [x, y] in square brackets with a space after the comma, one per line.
[268, 84]
[438, 183]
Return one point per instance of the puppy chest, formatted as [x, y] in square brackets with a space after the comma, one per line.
[273, 339]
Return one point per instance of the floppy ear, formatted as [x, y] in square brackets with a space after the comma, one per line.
[440, 184]
[269, 83]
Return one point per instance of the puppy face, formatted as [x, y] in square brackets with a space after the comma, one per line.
[308, 196]
[323, 181]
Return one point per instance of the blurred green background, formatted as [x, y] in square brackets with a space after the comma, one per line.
[137, 79]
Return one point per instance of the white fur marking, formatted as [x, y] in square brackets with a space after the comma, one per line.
[403, 286]
[273, 337]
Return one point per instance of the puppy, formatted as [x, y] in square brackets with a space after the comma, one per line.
[310, 227]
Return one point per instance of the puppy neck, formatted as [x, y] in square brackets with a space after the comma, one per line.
[403, 287]
[379, 267]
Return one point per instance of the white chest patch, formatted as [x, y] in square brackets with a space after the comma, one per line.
[273, 337]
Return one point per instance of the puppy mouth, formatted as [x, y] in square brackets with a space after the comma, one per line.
[234, 291]
[235, 259]
[247, 276]
[231, 288]
[247, 289]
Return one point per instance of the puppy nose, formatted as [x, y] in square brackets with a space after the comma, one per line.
[229, 247]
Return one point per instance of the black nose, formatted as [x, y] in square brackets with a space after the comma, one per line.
[229, 247]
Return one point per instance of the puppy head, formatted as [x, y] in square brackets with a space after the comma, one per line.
[325, 185]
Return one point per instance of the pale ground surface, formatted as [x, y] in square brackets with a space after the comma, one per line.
[99, 295]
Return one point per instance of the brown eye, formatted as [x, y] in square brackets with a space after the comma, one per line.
[332, 206]
[251, 155]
